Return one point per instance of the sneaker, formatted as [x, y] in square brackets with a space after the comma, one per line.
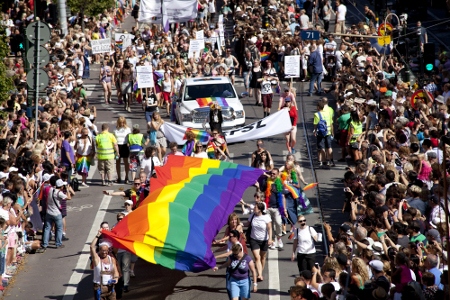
[331, 163]
[293, 151]
[272, 247]
[60, 247]
[41, 250]
[83, 184]
[132, 274]
[280, 244]
[309, 94]
[65, 238]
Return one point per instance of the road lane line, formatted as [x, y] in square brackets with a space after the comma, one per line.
[274, 275]
[83, 260]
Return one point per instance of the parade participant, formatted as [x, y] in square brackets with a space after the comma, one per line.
[255, 84]
[105, 79]
[157, 138]
[106, 273]
[260, 237]
[303, 248]
[256, 155]
[136, 143]
[168, 90]
[121, 133]
[85, 154]
[266, 91]
[107, 151]
[126, 84]
[291, 136]
[238, 267]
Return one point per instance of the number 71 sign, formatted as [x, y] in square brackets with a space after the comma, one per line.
[310, 35]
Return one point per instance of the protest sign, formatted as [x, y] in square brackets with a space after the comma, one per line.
[144, 76]
[292, 66]
[101, 46]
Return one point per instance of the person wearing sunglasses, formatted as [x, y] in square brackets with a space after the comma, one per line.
[132, 194]
[303, 247]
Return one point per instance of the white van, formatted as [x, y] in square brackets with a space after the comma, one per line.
[190, 114]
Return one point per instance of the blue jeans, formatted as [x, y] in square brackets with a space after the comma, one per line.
[148, 116]
[314, 77]
[2, 262]
[49, 220]
[240, 288]
[247, 77]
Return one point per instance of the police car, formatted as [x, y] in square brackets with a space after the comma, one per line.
[190, 114]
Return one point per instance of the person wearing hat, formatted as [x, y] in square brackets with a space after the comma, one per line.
[285, 95]
[79, 91]
[378, 276]
[54, 215]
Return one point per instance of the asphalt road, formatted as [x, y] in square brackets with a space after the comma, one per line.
[64, 273]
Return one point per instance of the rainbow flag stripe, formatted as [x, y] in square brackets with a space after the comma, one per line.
[190, 201]
[265, 56]
[292, 189]
[202, 102]
[200, 135]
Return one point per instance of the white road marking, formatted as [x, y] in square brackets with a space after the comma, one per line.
[83, 260]
[274, 275]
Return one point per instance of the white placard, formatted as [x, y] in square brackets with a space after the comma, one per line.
[144, 76]
[101, 46]
[292, 66]
[200, 36]
[123, 40]
[194, 49]
[177, 11]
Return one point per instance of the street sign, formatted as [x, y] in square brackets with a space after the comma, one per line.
[44, 56]
[44, 33]
[312, 35]
[43, 79]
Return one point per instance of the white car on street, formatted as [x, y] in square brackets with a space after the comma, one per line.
[190, 114]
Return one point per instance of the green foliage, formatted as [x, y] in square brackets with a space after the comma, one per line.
[6, 83]
[91, 8]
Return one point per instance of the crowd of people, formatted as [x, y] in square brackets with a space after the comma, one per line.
[393, 139]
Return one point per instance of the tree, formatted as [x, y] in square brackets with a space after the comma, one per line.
[6, 83]
[89, 7]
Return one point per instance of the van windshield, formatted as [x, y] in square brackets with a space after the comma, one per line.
[224, 90]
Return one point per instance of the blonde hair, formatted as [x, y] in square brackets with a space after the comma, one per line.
[121, 123]
[359, 267]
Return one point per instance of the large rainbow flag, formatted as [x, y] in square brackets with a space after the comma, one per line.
[202, 102]
[190, 201]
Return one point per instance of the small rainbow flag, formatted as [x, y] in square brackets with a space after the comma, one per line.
[292, 189]
[200, 135]
[138, 95]
[190, 202]
[119, 44]
[265, 56]
[310, 186]
[202, 102]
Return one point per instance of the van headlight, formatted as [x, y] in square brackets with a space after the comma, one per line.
[187, 117]
[239, 114]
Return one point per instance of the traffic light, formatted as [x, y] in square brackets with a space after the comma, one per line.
[428, 56]
[265, 21]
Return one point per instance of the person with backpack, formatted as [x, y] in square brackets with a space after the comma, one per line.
[323, 130]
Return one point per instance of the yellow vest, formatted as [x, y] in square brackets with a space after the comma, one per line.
[105, 146]
[357, 130]
[135, 141]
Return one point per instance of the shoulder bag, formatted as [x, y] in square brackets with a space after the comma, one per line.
[249, 230]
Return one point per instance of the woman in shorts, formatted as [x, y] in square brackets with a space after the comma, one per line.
[157, 139]
[260, 236]
[121, 133]
[167, 91]
[106, 74]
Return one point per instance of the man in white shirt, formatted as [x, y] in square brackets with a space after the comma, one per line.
[341, 11]
[330, 46]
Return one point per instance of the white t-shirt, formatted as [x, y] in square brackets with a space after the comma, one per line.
[266, 87]
[304, 22]
[342, 11]
[305, 240]
[146, 165]
[336, 285]
[259, 227]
